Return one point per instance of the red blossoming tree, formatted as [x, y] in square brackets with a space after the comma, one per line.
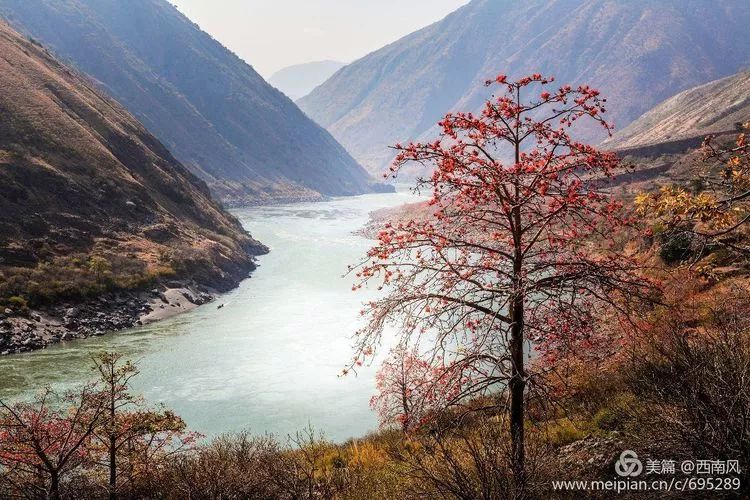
[102, 427]
[411, 390]
[509, 254]
[44, 441]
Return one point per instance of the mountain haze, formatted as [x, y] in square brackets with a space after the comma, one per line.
[81, 177]
[637, 53]
[299, 80]
[211, 109]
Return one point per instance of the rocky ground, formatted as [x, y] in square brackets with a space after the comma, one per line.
[23, 331]
[592, 456]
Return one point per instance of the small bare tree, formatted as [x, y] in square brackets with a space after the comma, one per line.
[133, 438]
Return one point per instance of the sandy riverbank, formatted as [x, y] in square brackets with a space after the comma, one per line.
[28, 330]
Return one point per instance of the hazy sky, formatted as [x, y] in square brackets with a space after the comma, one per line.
[272, 34]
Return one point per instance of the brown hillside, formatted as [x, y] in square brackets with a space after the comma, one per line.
[81, 177]
[707, 109]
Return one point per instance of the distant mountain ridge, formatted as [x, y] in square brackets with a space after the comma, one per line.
[81, 177]
[211, 109]
[637, 53]
[711, 108]
[300, 79]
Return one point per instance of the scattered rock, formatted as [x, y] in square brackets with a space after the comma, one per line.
[188, 295]
[592, 455]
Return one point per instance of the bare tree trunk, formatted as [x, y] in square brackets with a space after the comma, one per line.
[112, 468]
[407, 415]
[517, 384]
[54, 488]
[517, 387]
[112, 436]
[404, 399]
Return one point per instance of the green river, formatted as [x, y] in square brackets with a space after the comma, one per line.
[269, 360]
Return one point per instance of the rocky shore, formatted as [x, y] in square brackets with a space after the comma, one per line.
[27, 330]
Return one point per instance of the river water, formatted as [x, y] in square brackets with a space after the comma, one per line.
[269, 360]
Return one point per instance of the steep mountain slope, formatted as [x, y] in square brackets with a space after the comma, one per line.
[637, 53]
[210, 108]
[90, 200]
[711, 108]
[664, 144]
[299, 80]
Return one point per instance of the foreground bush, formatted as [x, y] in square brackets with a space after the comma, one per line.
[677, 387]
[692, 378]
